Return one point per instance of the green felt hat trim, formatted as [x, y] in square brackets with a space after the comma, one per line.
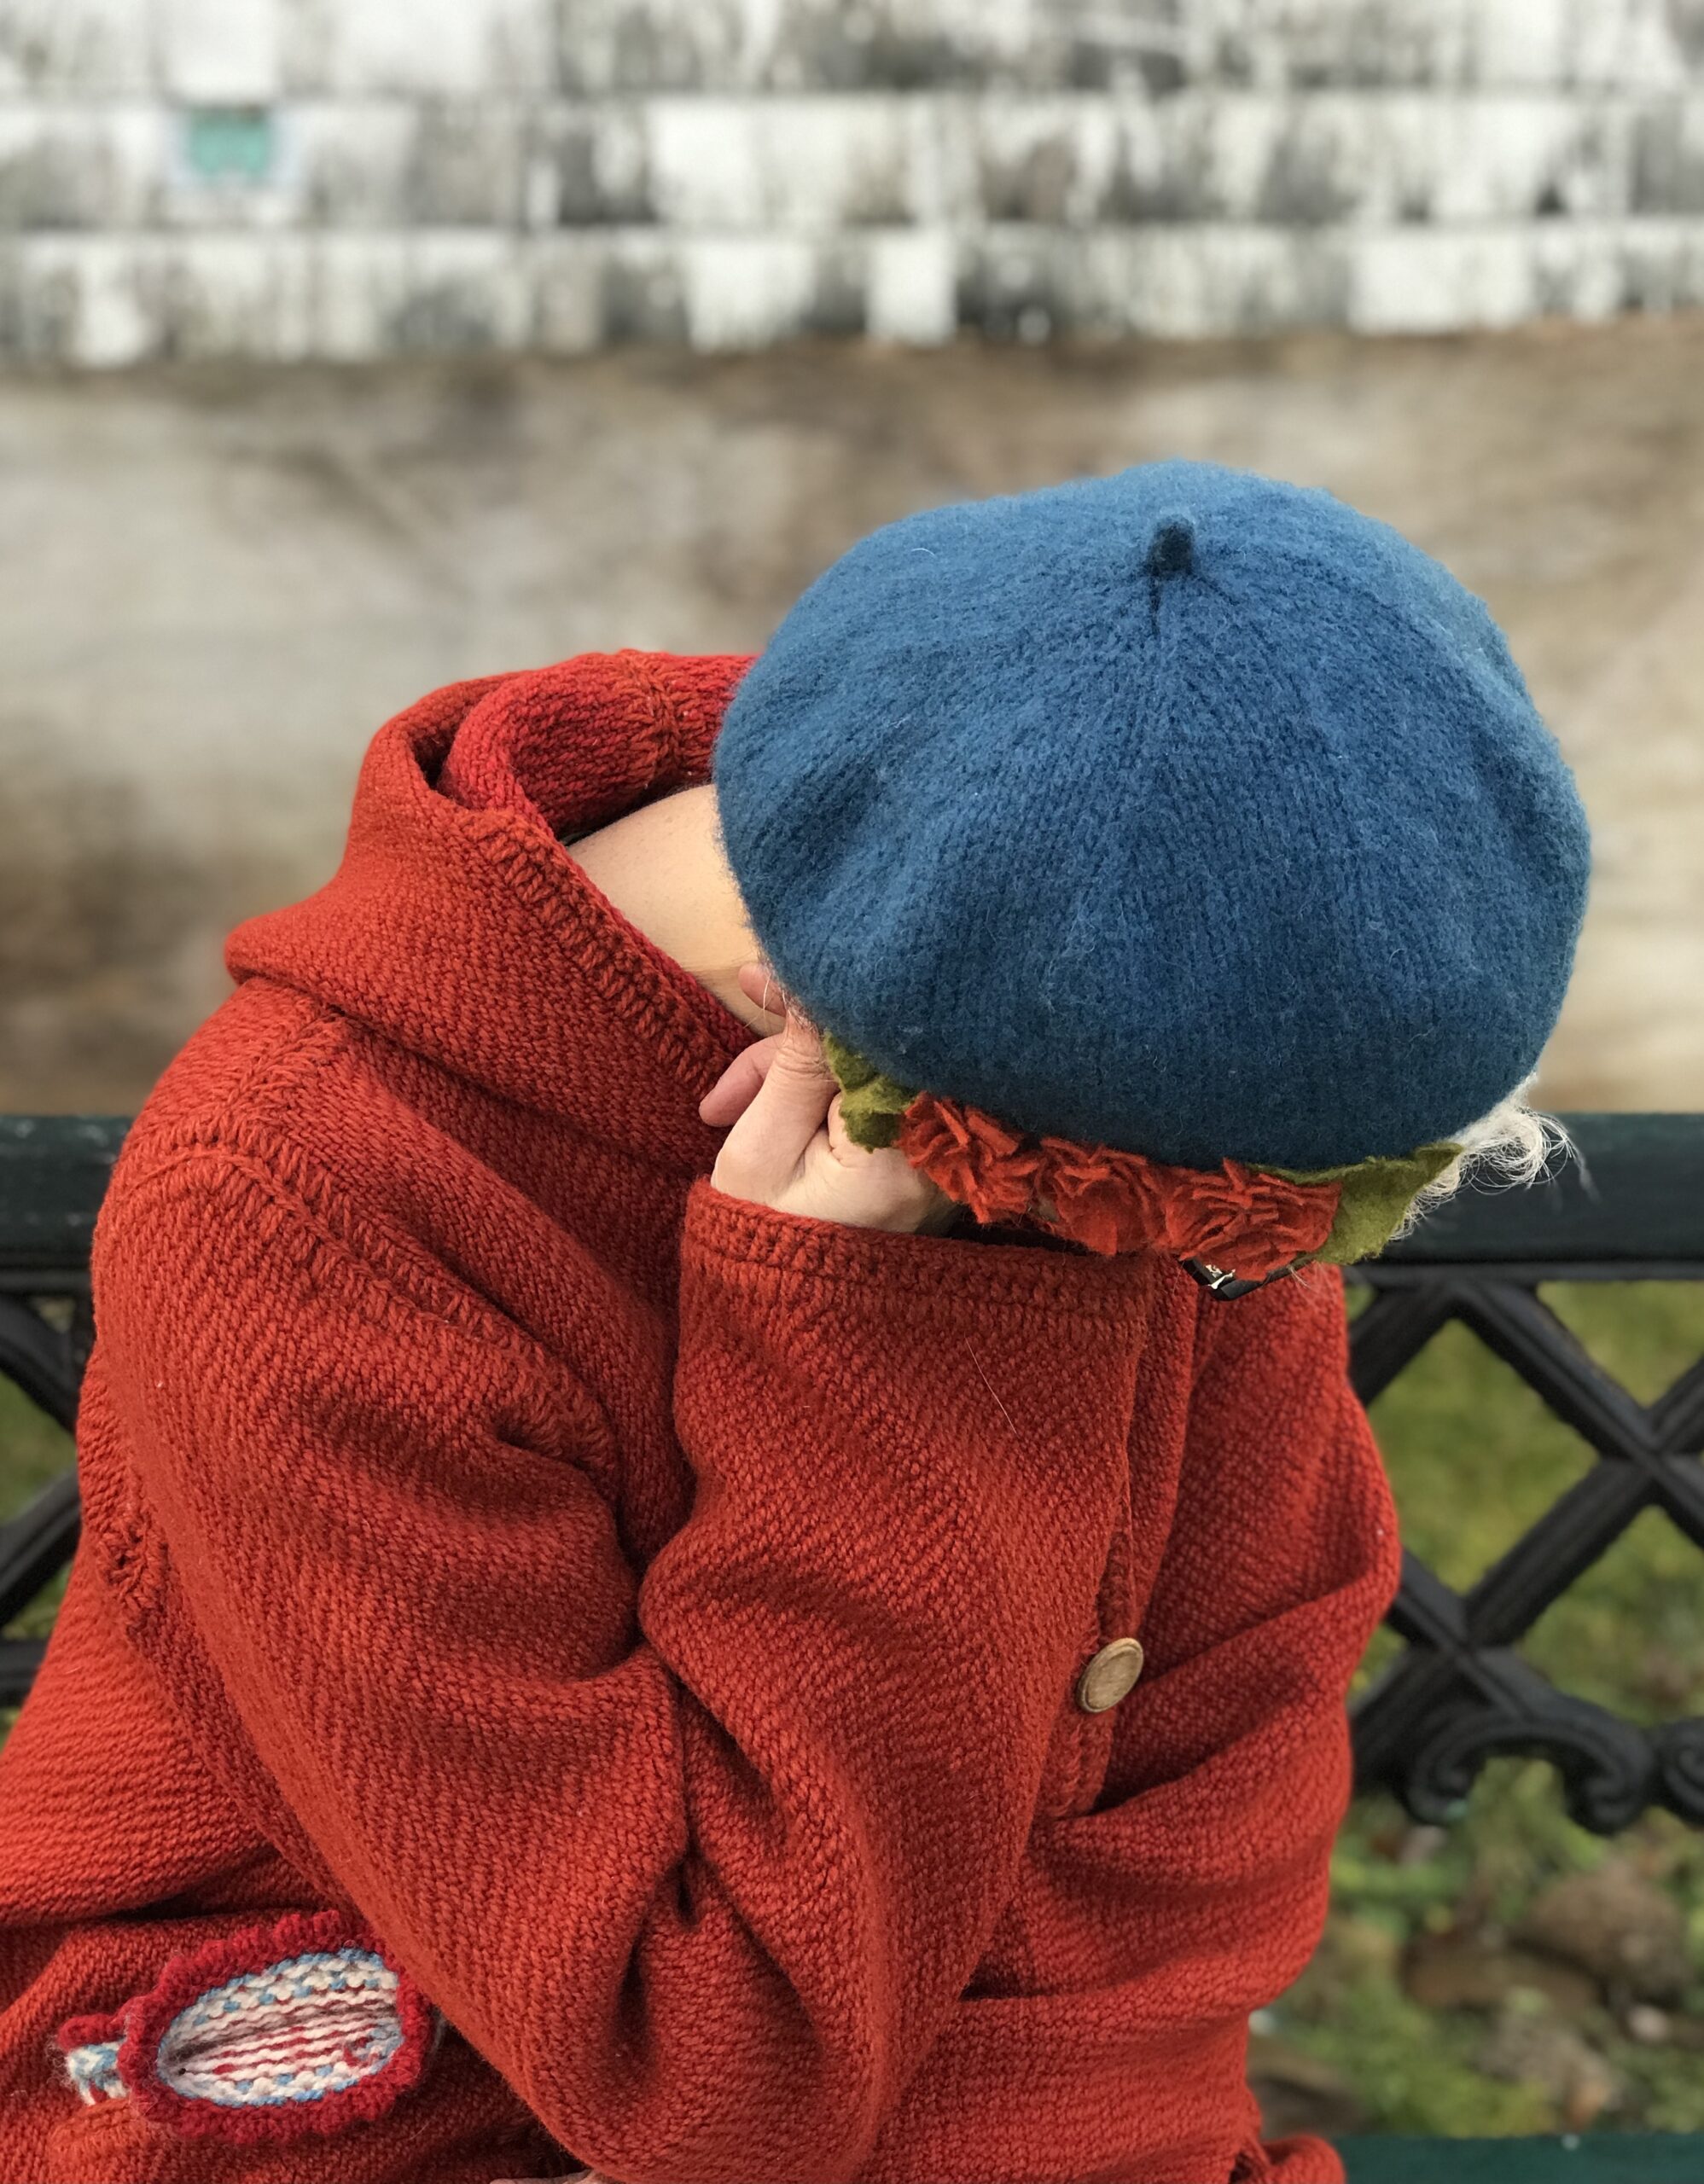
[870, 1103]
[1375, 1196]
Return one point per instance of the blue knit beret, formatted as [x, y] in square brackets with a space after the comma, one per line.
[1182, 811]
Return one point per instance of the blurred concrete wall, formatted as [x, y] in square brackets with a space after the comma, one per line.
[217, 580]
[351, 178]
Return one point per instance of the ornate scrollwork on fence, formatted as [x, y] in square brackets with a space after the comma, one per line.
[1461, 1694]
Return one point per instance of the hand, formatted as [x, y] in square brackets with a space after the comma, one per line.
[787, 1146]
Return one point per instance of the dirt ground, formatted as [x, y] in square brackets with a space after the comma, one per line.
[215, 583]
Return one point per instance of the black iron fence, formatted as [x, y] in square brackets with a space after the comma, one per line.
[53, 1175]
[1460, 1693]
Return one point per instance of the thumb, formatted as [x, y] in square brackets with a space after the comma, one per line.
[799, 1047]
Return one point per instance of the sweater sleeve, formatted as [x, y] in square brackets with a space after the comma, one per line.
[701, 1857]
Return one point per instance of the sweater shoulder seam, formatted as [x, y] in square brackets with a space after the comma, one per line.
[387, 1263]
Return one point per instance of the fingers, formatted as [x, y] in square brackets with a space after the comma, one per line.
[736, 1089]
[763, 1151]
[733, 1091]
[789, 1107]
[759, 984]
[799, 1045]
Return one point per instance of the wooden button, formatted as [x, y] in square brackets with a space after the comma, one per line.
[1110, 1677]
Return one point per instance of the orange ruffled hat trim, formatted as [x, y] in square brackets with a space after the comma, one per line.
[1112, 1201]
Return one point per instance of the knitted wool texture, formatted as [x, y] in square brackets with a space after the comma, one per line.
[654, 1617]
[1183, 811]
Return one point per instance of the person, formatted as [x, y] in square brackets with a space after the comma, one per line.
[724, 1528]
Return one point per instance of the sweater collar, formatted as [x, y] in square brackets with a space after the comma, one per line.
[456, 925]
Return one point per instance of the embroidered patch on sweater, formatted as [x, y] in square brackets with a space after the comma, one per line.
[303, 2026]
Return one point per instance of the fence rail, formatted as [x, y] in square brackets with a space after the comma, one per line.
[1460, 1693]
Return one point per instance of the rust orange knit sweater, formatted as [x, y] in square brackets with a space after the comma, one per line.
[629, 1635]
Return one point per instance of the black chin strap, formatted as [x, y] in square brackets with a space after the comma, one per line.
[1225, 1283]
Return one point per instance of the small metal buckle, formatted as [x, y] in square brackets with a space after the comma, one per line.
[1224, 1282]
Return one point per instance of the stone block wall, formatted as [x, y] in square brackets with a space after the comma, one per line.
[354, 178]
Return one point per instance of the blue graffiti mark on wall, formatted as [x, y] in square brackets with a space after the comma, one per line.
[230, 143]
